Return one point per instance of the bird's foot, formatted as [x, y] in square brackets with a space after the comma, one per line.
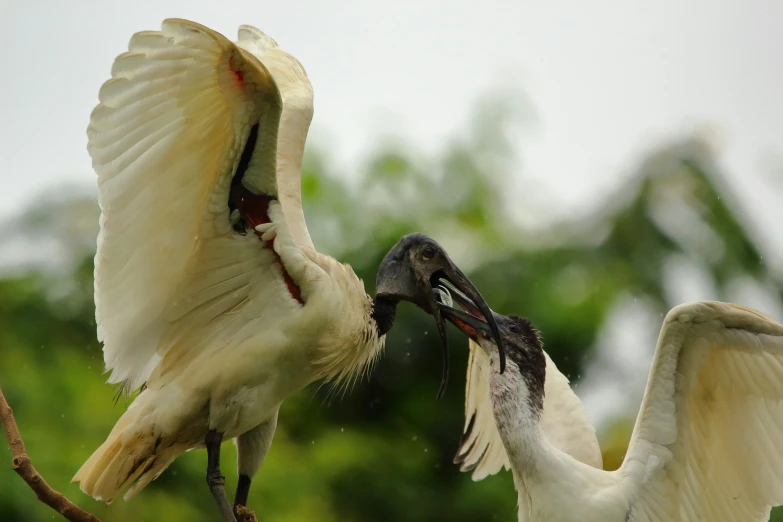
[216, 483]
[215, 480]
[244, 514]
[268, 231]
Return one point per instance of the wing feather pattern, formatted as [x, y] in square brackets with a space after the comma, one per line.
[708, 441]
[297, 93]
[564, 421]
[165, 141]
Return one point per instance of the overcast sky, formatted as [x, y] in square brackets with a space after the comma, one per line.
[607, 80]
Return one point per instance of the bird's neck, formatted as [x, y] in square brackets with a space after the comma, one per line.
[384, 310]
[543, 475]
[517, 406]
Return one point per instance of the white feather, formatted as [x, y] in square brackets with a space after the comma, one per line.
[564, 420]
[707, 441]
[203, 314]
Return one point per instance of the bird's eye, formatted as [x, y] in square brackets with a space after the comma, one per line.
[513, 328]
[428, 253]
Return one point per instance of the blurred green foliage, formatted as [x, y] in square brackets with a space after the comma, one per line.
[383, 452]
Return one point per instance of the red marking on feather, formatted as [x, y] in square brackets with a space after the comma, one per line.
[239, 77]
[254, 208]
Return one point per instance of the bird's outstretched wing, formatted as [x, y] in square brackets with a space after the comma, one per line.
[564, 421]
[297, 93]
[708, 441]
[184, 111]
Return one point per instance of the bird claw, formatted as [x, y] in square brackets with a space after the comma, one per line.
[268, 231]
[244, 514]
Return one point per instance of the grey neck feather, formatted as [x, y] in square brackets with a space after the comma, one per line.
[518, 400]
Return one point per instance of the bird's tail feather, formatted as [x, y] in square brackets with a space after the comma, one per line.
[129, 454]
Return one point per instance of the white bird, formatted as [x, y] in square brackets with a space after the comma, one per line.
[564, 421]
[209, 294]
[708, 441]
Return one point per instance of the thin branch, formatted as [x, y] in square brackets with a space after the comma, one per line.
[24, 468]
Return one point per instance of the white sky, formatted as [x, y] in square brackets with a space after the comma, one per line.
[607, 79]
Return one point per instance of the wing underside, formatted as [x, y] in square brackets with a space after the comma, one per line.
[169, 135]
[707, 442]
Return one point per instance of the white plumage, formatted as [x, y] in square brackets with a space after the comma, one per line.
[707, 444]
[210, 318]
[564, 421]
[208, 292]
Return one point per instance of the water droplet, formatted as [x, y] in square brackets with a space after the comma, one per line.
[425, 450]
[414, 438]
[313, 442]
[342, 429]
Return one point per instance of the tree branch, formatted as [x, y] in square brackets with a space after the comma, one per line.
[24, 468]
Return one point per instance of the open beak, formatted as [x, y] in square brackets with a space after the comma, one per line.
[471, 325]
[467, 296]
[409, 279]
[467, 326]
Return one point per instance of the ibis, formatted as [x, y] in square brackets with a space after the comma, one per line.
[211, 300]
[707, 441]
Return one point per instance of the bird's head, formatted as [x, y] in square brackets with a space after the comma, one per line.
[414, 270]
[526, 374]
[521, 340]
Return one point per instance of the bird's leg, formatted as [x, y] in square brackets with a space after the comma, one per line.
[243, 490]
[252, 447]
[215, 480]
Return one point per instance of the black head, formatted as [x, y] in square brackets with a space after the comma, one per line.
[524, 348]
[412, 269]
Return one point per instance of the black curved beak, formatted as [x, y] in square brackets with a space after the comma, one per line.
[412, 269]
[471, 325]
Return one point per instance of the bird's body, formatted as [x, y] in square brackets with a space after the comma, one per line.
[208, 290]
[707, 441]
[209, 294]
[564, 421]
[234, 388]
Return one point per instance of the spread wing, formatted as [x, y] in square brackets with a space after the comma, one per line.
[184, 111]
[297, 93]
[708, 441]
[564, 421]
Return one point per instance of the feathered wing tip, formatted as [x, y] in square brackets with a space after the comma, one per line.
[268, 50]
[248, 32]
[481, 449]
[127, 456]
